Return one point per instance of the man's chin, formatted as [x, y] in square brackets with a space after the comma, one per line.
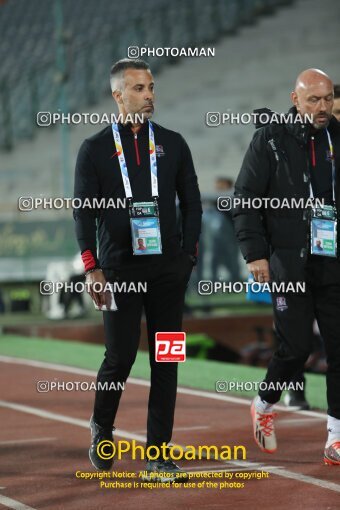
[321, 124]
[148, 114]
[145, 115]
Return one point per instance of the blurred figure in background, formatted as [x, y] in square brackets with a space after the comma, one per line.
[336, 105]
[65, 304]
[2, 303]
[225, 250]
[218, 248]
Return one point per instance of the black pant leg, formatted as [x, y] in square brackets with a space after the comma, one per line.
[164, 304]
[299, 377]
[327, 312]
[293, 318]
[122, 334]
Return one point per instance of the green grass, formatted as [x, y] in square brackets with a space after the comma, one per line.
[194, 373]
[230, 303]
[227, 304]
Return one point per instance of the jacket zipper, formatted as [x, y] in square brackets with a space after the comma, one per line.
[309, 181]
[313, 151]
[136, 149]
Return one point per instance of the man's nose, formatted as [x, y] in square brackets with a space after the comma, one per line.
[323, 107]
[149, 96]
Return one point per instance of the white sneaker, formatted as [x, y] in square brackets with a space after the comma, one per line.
[263, 426]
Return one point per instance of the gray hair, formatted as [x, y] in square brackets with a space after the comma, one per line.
[118, 69]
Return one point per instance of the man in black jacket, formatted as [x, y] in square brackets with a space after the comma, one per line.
[138, 162]
[295, 160]
[336, 105]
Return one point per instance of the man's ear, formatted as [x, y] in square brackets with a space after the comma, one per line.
[294, 98]
[117, 96]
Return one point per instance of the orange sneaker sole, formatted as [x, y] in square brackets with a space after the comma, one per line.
[329, 462]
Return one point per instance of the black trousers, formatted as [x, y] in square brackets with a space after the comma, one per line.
[163, 304]
[293, 317]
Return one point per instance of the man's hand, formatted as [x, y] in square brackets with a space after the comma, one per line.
[99, 296]
[260, 270]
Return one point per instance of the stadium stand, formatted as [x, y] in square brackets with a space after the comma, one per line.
[93, 35]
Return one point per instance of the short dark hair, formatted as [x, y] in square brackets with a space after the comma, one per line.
[122, 65]
[336, 91]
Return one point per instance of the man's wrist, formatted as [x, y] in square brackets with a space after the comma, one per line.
[92, 270]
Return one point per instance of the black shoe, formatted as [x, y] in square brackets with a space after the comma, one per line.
[99, 434]
[162, 470]
[297, 399]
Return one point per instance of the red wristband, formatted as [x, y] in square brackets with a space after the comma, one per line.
[88, 260]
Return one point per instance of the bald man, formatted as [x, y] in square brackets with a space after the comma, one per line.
[296, 159]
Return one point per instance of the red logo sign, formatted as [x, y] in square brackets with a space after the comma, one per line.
[170, 346]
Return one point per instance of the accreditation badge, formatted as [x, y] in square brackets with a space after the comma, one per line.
[145, 228]
[323, 237]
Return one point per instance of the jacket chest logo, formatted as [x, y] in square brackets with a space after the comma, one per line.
[281, 304]
[159, 151]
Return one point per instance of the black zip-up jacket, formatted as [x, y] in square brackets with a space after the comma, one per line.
[98, 175]
[277, 164]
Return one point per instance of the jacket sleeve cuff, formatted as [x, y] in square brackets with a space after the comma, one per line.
[256, 256]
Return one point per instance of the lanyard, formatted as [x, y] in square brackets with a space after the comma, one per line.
[331, 151]
[122, 162]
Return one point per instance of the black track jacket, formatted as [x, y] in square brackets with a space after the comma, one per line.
[277, 164]
[98, 175]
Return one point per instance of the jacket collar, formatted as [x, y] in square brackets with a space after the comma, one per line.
[297, 128]
[302, 131]
[125, 129]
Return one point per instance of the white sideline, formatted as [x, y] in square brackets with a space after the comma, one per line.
[13, 503]
[128, 435]
[142, 382]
